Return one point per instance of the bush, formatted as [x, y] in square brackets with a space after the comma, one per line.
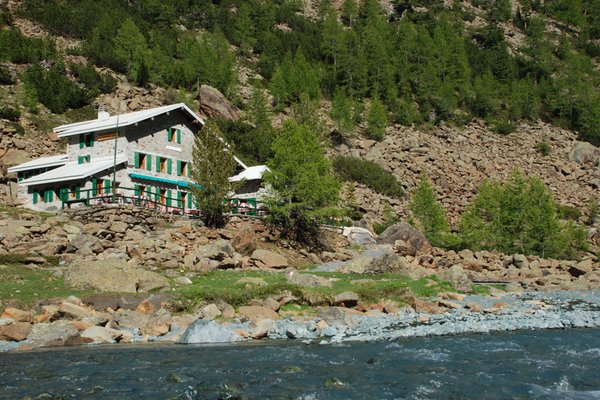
[9, 113]
[370, 174]
[504, 127]
[18, 48]
[519, 216]
[543, 148]
[568, 212]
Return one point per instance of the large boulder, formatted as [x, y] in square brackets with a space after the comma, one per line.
[415, 241]
[56, 334]
[214, 104]
[203, 331]
[457, 277]
[256, 313]
[307, 280]
[217, 250]
[15, 331]
[113, 276]
[244, 240]
[269, 259]
[584, 153]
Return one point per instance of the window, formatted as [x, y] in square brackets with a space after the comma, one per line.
[140, 160]
[174, 135]
[86, 140]
[99, 187]
[182, 168]
[163, 165]
[84, 159]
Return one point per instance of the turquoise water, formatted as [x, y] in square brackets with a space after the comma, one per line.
[522, 365]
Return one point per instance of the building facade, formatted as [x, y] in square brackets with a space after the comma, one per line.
[142, 157]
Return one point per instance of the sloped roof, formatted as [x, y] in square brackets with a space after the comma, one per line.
[73, 171]
[250, 173]
[43, 162]
[121, 120]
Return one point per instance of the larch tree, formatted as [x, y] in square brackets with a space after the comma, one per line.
[212, 165]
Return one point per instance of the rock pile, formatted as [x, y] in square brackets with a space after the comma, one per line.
[459, 159]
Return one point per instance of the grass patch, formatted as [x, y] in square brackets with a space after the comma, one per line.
[23, 287]
[221, 286]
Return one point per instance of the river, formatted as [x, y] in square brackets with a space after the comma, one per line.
[558, 364]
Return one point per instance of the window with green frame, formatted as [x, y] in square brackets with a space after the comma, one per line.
[86, 140]
[174, 135]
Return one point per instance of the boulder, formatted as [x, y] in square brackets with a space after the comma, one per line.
[56, 334]
[415, 241]
[269, 259]
[346, 299]
[256, 313]
[15, 332]
[584, 153]
[214, 104]
[211, 312]
[338, 316]
[358, 235]
[16, 314]
[457, 278]
[262, 328]
[119, 227]
[203, 331]
[307, 280]
[183, 280]
[113, 276]
[217, 250]
[244, 240]
[102, 335]
[74, 311]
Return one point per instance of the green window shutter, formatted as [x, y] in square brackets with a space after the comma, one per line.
[179, 197]
[92, 140]
[94, 191]
[79, 159]
[107, 185]
[64, 194]
[158, 194]
[81, 141]
[136, 190]
[136, 159]
[178, 168]
[179, 136]
[20, 177]
[149, 192]
[170, 134]
[157, 164]
[169, 194]
[169, 166]
[148, 162]
[35, 198]
[189, 200]
[77, 192]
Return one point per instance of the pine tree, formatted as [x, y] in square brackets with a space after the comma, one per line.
[349, 11]
[341, 111]
[130, 44]
[376, 119]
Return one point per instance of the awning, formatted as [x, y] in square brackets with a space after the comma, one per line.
[151, 178]
[73, 171]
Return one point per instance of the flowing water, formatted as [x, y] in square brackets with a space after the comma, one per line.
[521, 365]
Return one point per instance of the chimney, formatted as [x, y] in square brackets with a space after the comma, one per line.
[102, 113]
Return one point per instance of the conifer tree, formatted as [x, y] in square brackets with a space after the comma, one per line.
[376, 119]
[212, 165]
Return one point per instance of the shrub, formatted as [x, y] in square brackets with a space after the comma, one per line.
[92, 79]
[504, 127]
[568, 212]
[519, 216]
[9, 113]
[543, 148]
[370, 174]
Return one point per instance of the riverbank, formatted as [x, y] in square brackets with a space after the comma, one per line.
[448, 314]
